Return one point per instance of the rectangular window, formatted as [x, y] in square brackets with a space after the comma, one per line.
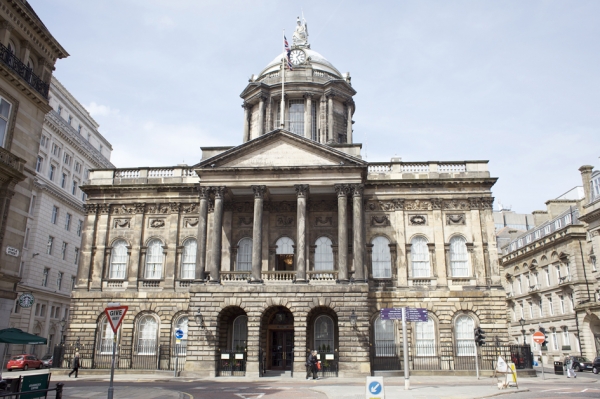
[74, 188]
[43, 311]
[68, 222]
[51, 172]
[37, 309]
[70, 119]
[79, 228]
[79, 129]
[72, 283]
[562, 303]
[593, 261]
[4, 118]
[63, 181]
[45, 277]
[557, 224]
[64, 250]
[547, 276]
[39, 164]
[522, 311]
[55, 150]
[77, 167]
[554, 340]
[550, 307]
[50, 244]
[76, 255]
[26, 240]
[32, 204]
[530, 310]
[566, 339]
[54, 217]
[572, 302]
[59, 280]
[547, 230]
[59, 110]
[86, 174]
[540, 308]
[83, 196]
[43, 141]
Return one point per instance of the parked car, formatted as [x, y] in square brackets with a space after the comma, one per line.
[24, 362]
[47, 361]
[596, 365]
[580, 363]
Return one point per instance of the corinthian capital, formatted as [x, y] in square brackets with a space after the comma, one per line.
[357, 190]
[259, 191]
[219, 191]
[203, 192]
[301, 190]
[342, 190]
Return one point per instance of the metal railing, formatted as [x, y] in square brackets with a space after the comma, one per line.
[231, 363]
[23, 71]
[389, 357]
[329, 364]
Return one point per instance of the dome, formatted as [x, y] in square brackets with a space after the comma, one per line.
[316, 60]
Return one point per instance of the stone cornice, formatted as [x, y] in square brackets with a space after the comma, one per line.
[57, 193]
[530, 249]
[433, 182]
[68, 133]
[590, 217]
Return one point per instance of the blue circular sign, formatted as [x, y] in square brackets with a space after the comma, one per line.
[375, 388]
[179, 333]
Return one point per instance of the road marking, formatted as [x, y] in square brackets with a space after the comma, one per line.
[555, 389]
[199, 388]
[584, 390]
[250, 395]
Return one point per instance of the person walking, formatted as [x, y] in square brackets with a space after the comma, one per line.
[75, 365]
[311, 365]
[569, 367]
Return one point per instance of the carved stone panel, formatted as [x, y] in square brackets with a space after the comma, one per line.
[418, 220]
[323, 221]
[455, 219]
[322, 206]
[462, 205]
[190, 208]
[284, 221]
[157, 208]
[122, 224]
[156, 223]
[380, 221]
[245, 221]
[190, 222]
[418, 205]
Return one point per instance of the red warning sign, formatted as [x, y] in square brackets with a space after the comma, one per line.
[115, 316]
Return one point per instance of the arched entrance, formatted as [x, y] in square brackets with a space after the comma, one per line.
[322, 335]
[277, 338]
[591, 329]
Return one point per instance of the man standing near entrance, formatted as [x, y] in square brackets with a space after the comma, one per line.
[311, 365]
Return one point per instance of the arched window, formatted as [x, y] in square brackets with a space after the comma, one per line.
[240, 333]
[182, 324]
[154, 259]
[425, 338]
[118, 260]
[244, 256]
[385, 344]
[147, 331]
[323, 254]
[419, 255]
[465, 340]
[188, 259]
[285, 246]
[459, 258]
[382, 259]
[106, 337]
[284, 254]
[324, 334]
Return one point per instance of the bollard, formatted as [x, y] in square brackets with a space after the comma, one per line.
[59, 389]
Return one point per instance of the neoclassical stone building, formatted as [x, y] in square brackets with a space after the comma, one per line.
[289, 241]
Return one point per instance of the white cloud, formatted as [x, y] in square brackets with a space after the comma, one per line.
[97, 110]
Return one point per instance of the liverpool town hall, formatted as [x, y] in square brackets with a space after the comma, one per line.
[288, 242]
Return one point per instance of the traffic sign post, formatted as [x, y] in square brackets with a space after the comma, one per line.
[374, 388]
[115, 313]
[540, 338]
[178, 335]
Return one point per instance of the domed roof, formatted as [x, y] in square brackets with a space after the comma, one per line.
[316, 60]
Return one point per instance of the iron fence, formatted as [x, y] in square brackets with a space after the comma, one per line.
[329, 364]
[390, 357]
[156, 357]
[231, 363]
[13, 62]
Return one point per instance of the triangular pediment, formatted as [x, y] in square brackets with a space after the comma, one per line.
[281, 149]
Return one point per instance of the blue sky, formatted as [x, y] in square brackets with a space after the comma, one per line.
[516, 83]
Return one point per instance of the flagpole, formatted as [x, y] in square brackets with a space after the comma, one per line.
[281, 115]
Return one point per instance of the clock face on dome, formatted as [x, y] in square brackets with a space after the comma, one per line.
[297, 57]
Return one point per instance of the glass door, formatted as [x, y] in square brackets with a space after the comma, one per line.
[282, 350]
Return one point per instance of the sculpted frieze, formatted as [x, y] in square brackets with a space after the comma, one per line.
[190, 222]
[122, 223]
[380, 221]
[481, 203]
[284, 221]
[323, 221]
[418, 220]
[190, 208]
[322, 206]
[418, 205]
[283, 206]
[90, 209]
[157, 223]
[461, 205]
[245, 221]
[242, 207]
[157, 208]
[455, 219]
[175, 207]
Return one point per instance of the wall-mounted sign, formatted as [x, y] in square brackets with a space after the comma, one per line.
[26, 300]
[12, 251]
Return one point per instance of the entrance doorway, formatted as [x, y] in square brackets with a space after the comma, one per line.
[282, 349]
[284, 254]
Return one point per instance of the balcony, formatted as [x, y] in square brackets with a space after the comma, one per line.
[564, 280]
[427, 170]
[280, 277]
[10, 60]
[534, 288]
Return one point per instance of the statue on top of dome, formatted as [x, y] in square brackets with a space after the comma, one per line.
[300, 37]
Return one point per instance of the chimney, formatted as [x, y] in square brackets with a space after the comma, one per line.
[586, 178]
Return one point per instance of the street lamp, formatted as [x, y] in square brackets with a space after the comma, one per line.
[522, 322]
[199, 319]
[62, 323]
[353, 319]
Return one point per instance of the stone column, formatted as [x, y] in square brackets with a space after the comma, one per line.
[246, 107]
[261, 116]
[215, 266]
[259, 192]
[330, 119]
[5, 29]
[349, 125]
[342, 195]
[25, 51]
[302, 191]
[102, 229]
[202, 224]
[359, 241]
[308, 116]
[88, 236]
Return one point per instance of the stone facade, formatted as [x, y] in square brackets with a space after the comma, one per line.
[289, 241]
[28, 53]
[70, 146]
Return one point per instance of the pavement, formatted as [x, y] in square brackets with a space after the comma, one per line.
[165, 385]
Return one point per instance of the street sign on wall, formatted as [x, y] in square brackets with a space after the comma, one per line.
[412, 314]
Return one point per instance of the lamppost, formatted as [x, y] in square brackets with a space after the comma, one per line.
[353, 319]
[522, 322]
[62, 323]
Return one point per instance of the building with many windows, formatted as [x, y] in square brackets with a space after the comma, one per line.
[28, 52]
[549, 279]
[70, 146]
[289, 241]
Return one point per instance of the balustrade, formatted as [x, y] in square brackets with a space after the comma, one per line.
[127, 173]
[278, 276]
[322, 275]
[235, 276]
[160, 172]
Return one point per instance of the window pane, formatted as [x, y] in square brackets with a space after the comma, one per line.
[188, 259]
[147, 336]
[459, 257]
[385, 344]
[382, 259]
[324, 334]
[3, 124]
[297, 117]
[323, 254]
[425, 338]
[285, 246]
[240, 333]
[419, 254]
[4, 108]
[244, 257]
[154, 260]
[465, 338]
[118, 262]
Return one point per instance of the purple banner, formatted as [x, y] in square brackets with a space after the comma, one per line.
[412, 314]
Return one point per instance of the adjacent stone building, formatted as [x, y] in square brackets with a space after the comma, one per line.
[289, 241]
[28, 52]
[70, 146]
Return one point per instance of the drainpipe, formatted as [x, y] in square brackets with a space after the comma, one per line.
[584, 272]
[578, 333]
